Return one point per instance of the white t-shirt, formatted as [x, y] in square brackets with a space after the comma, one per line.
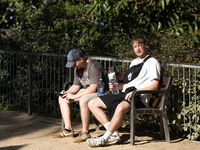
[150, 70]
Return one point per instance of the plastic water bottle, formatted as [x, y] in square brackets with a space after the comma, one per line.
[113, 80]
[100, 88]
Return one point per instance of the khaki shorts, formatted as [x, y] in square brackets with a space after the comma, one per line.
[88, 96]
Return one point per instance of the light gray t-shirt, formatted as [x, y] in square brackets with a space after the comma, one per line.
[90, 75]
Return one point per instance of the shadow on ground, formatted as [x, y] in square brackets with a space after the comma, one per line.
[14, 123]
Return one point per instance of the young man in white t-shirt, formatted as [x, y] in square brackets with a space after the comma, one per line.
[148, 79]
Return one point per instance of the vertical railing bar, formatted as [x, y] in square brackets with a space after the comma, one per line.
[13, 75]
[195, 102]
[118, 66]
[1, 56]
[30, 86]
[20, 82]
[189, 98]
[54, 80]
[173, 97]
[184, 94]
[42, 83]
[59, 73]
[50, 82]
[17, 73]
[7, 88]
[33, 78]
[4, 80]
[23, 83]
[63, 70]
[10, 71]
[46, 79]
[38, 79]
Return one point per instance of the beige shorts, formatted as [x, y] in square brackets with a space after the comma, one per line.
[88, 96]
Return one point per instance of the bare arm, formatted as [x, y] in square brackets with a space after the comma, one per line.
[73, 89]
[153, 86]
[70, 93]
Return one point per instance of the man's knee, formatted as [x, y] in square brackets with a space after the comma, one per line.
[93, 103]
[83, 101]
[123, 108]
[61, 100]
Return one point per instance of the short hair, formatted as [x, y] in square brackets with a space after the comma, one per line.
[139, 39]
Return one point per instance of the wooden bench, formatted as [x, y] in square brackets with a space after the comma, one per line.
[157, 105]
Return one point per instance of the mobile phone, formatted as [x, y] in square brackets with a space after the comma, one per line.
[58, 93]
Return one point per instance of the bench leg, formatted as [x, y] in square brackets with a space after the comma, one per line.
[132, 129]
[96, 123]
[161, 128]
[62, 123]
[166, 127]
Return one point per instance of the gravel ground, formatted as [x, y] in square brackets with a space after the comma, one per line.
[18, 131]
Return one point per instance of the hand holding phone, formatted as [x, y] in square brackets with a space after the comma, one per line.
[58, 93]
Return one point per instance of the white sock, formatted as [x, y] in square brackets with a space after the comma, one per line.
[106, 126]
[106, 135]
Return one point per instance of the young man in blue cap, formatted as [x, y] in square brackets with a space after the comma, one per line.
[87, 73]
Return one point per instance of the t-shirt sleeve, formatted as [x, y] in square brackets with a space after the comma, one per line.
[154, 69]
[76, 80]
[95, 74]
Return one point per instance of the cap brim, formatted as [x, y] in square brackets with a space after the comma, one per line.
[69, 64]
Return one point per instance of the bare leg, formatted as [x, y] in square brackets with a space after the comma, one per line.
[85, 113]
[96, 106]
[118, 116]
[66, 112]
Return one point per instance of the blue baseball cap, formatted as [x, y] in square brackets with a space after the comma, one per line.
[72, 57]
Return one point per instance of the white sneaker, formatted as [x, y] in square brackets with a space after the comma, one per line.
[95, 142]
[113, 139]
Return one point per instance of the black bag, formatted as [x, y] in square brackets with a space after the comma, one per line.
[134, 71]
[130, 89]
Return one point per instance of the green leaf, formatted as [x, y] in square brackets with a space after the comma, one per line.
[181, 29]
[173, 21]
[179, 116]
[176, 16]
[105, 7]
[84, 30]
[150, 3]
[167, 2]
[91, 31]
[163, 4]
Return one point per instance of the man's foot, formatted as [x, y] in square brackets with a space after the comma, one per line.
[113, 139]
[95, 142]
[82, 137]
[100, 141]
[64, 134]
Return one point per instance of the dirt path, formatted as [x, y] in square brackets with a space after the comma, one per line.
[18, 131]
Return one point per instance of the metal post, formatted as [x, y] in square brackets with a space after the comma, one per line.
[30, 75]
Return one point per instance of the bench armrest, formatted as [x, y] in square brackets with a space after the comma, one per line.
[157, 92]
[67, 84]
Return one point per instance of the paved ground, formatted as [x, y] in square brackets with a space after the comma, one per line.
[18, 131]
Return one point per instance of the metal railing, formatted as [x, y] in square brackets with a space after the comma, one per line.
[29, 79]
